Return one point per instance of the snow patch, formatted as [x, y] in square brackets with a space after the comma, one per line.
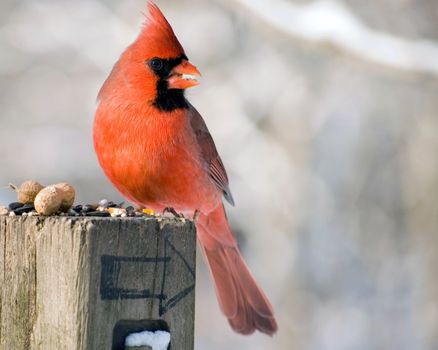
[158, 340]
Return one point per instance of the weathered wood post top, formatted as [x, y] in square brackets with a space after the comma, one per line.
[81, 283]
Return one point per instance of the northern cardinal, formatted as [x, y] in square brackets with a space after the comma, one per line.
[157, 151]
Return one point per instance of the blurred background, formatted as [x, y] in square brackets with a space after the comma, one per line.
[326, 117]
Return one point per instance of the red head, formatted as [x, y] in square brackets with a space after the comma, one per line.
[154, 68]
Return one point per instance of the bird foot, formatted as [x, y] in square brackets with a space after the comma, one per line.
[196, 215]
[174, 212]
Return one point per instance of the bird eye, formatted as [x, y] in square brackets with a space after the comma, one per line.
[156, 64]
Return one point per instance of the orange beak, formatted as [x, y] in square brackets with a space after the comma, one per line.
[183, 76]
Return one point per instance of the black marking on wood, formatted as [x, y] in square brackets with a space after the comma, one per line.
[166, 306]
[109, 278]
[110, 288]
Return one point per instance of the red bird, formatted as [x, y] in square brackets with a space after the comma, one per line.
[157, 151]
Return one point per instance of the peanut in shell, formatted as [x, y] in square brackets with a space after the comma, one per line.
[48, 200]
[28, 191]
[68, 195]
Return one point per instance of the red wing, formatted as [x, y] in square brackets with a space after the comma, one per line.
[216, 168]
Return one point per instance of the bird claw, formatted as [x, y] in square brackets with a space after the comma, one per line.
[196, 215]
[174, 212]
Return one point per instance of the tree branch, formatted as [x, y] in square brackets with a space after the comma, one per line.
[327, 21]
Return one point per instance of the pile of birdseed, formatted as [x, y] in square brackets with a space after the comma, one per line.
[34, 199]
[104, 208]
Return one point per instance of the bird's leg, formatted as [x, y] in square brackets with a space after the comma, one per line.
[173, 211]
[196, 215]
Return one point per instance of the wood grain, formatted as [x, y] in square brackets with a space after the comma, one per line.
[85, 283]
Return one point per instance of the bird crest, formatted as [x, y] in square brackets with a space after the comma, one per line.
[157, 38]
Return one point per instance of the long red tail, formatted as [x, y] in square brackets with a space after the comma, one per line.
[241, 299]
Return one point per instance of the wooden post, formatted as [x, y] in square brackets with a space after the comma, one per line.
[81, 283]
